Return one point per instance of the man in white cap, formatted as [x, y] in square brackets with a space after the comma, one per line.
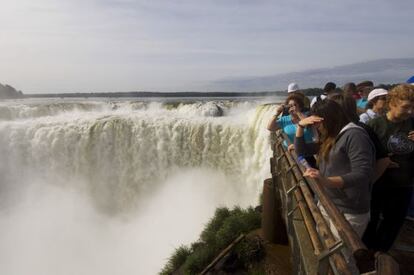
[294, 88]
[376, 105]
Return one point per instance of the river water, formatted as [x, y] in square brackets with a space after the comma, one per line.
[113, 186]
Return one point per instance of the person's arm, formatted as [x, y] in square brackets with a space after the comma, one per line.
[272, 125]
[361, 154]
[330, 182]
[301, 147]
[382, 159]
[381, 165]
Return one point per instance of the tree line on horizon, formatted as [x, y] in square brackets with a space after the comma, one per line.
[8, 92]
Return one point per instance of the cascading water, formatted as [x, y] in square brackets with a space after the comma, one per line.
[127, 177]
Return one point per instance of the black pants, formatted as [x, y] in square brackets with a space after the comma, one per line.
[392, 203]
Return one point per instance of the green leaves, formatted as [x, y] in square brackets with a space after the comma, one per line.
[220, 231]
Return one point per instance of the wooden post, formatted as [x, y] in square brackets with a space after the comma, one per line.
[273, 227]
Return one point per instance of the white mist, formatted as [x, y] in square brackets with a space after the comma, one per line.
[120, 199]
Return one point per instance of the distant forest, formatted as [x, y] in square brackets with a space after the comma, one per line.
[7, 91]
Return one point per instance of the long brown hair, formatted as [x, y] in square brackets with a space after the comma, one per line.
[334, 119]
[348, 105]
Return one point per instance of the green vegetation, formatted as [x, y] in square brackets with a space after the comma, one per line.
[222, 229]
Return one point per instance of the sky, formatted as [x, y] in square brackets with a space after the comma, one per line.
[56, 46]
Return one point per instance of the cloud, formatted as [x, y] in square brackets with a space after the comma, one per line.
[95, 45]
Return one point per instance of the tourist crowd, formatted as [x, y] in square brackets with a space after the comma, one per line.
[359, 142]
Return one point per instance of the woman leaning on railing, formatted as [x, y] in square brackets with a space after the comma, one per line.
[346, 157]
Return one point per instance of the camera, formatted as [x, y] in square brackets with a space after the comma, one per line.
[286, 109]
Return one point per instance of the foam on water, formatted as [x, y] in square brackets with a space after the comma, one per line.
[126, 177]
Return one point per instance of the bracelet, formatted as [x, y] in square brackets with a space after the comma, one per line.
[303, 127]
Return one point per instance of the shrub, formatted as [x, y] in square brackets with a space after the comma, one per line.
[176, 260]
[225, 226]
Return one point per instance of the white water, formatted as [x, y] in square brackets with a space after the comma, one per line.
[112, 187]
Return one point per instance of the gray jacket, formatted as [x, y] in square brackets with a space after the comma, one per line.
[353, 158]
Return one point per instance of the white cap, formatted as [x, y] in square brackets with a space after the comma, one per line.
[376, 93]
[293, 87]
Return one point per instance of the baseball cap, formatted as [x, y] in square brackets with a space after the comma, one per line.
[293, 87]
[376, 93]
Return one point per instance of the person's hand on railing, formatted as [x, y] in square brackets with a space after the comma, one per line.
[312, 173]
[330, 182]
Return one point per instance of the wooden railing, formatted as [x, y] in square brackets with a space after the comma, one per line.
[291, 214]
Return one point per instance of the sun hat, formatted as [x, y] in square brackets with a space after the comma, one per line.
[376, 93]
[293, 87]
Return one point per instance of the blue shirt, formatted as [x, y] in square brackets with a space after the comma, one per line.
[361, 103]
[286, 124]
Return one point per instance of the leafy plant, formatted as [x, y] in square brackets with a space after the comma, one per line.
[176, 260]
[225, 226]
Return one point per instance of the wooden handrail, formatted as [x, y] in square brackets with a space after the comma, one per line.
[344, 253]
[325, 233]
[345, 230]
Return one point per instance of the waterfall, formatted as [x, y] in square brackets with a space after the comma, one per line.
[120, 150]
[117, 154]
